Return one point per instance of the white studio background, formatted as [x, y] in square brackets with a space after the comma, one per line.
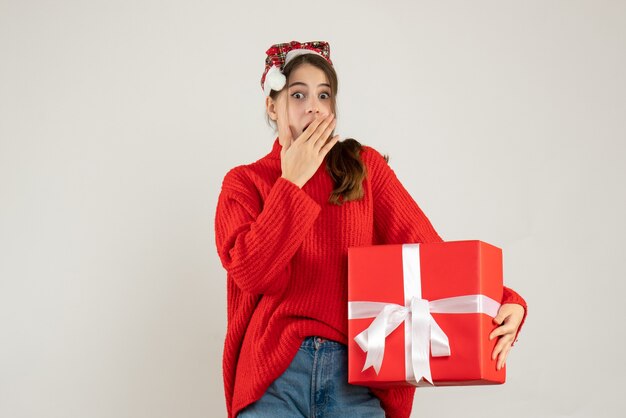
[118, 120]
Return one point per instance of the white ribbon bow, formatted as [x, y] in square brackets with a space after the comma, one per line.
[421, 331]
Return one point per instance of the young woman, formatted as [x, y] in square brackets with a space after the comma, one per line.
[283, 225]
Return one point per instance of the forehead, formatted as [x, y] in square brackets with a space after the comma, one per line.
[308, 74]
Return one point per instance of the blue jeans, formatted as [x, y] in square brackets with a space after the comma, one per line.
[316, 385]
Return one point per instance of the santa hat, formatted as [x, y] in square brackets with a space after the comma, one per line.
[280, 54]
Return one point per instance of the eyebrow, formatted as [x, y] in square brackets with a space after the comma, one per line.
[299, 83]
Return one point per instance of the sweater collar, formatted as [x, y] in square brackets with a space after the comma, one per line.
[276, 148]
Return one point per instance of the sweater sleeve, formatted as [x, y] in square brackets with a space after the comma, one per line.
[398, 219]
[257, 239]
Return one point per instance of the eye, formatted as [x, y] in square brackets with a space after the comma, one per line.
[297, 95]
[325, 95]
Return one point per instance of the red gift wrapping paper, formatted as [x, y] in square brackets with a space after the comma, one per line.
[447, 269]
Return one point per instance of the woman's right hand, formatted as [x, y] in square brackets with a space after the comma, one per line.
[300, 158]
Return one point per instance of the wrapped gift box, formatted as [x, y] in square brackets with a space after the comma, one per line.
[438, 291]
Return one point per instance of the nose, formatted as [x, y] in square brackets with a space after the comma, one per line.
[313, 106]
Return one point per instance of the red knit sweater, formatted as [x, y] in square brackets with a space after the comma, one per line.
[285, 253]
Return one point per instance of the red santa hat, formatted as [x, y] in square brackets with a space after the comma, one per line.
[279, 55]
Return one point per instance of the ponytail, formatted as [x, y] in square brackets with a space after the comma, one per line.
[346, 170]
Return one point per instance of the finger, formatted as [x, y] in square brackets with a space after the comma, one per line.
[310, 130]
[496, 350]
[288, 139]
[495, 333]
[499, 347]
[502, 357]
[321, 128]
[329, 145]
[325, 135]
[502, 343]
[502, 330]
[500, 317]
[284, 131]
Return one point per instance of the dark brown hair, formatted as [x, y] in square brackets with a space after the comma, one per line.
[343, 162]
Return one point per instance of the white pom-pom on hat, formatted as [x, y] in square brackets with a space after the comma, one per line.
[274, 80]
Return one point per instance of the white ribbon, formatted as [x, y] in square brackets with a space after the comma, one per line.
[421, 331]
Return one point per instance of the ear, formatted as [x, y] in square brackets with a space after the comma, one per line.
[270, 106]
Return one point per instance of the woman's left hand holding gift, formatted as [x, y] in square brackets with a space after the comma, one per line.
[509, 318]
